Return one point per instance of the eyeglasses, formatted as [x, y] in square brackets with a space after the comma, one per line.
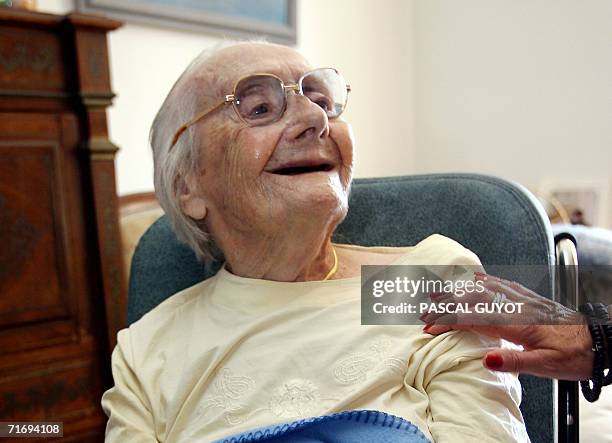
[261, 99]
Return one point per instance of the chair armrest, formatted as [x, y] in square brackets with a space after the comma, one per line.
[566, 293]
[566, 286]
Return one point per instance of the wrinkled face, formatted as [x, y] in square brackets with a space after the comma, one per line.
[296, 168]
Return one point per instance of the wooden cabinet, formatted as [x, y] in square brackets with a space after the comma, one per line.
[61, 281]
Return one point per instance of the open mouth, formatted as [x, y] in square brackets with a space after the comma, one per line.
[295, 170]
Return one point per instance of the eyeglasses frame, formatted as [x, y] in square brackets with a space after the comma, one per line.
[231, 98]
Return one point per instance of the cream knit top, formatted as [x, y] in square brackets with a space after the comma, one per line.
[231, 354]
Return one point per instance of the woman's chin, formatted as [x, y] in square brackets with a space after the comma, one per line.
[312, 193]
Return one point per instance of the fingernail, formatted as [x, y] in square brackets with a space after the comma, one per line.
[427, 328]
[494, 361]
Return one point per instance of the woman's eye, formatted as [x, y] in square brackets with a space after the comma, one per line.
[320, 100]
[324, 104]
[259, 110]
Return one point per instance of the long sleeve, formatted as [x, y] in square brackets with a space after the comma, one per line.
[467, 401]
[125, 404]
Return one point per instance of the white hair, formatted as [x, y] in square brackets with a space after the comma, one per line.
[172, 165]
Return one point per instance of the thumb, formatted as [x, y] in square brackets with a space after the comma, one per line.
[437, 329]
[505, 360]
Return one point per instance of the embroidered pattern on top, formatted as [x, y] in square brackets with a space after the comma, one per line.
[227, 391]
[297, 397]
[358, 366]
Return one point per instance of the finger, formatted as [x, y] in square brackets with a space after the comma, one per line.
[431, 317]
[438, 297]
[517, 287]
[536, 362]
[497, 286]
[525, 311]
[463, 315]
[535, 309]
[468, 299]
[517, 293]
[472, 314]
[447, 319]
[437, 329]
[441, 329]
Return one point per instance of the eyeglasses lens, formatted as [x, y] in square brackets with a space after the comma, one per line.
[260, 99]
[326, 88]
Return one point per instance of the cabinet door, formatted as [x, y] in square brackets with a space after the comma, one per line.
[52, 324]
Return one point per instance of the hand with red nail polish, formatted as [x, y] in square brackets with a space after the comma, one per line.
[494, 361]
[556, 340]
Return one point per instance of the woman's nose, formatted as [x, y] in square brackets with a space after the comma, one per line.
[306, 118]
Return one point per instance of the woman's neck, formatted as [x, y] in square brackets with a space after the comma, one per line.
[300, 254]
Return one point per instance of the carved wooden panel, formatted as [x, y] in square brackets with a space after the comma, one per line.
[55, 389]
[34, 266]
[61, 390]
[33, 251]
[30, 60]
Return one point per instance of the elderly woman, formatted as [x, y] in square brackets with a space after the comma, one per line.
[252, 161]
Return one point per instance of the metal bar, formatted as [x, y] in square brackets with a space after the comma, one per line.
[566, 293]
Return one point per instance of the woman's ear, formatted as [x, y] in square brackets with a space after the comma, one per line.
[192, 202]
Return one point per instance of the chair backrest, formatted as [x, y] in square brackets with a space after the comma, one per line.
[498, 220]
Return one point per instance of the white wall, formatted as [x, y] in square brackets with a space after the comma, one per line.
[369, 42]
[516, 88]
[145, 63]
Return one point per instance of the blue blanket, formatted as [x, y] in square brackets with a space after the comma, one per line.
[342, 427]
